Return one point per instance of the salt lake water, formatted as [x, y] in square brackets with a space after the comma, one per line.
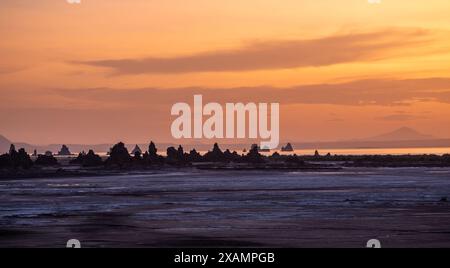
[401, 207]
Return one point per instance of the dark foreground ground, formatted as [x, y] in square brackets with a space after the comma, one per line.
[402, 207]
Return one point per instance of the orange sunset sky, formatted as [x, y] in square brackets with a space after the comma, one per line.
[109, 70]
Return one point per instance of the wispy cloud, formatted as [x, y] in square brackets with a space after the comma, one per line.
[357, 93]
[271, 55]
[10, 69]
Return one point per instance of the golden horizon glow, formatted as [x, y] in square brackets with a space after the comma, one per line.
[53, 53]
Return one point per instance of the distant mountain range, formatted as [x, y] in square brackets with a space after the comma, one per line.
[401, 134]
[403, 137]
[4, 144]
[400, 138]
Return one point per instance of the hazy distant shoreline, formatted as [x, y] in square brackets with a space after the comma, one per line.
[428, 146]
[403, 140]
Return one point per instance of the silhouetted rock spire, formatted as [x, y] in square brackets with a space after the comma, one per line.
[287, 148]
[172, 155]
[119, 155]
[23, 159]
[12, 149]
[176, 156]
[230, 156]
[253, 155]
[88, 160]
[136, 150]
[194, 156]
[151, 157]
[216, 155]
[152, 151]
[16, 159]
[92, 160]
[64, 151]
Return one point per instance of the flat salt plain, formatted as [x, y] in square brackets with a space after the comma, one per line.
[402, 207]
